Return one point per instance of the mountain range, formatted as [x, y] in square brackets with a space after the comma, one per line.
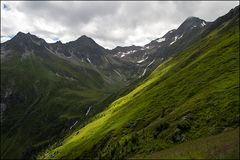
[79, 100]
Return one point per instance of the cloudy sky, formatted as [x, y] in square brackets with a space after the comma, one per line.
[109, 23]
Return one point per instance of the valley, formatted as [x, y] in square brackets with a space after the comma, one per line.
[78, 100]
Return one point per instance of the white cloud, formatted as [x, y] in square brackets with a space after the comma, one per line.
[5, 38]
[109, 23]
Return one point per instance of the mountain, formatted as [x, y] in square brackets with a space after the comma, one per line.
[24, 44]
[193, 94]
[174, 40]
[87, 49]
[148, 57]
[122, 51]
[80, 100]
[45, 94]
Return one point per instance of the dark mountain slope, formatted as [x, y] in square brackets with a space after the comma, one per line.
[44, 95]
[232, 14]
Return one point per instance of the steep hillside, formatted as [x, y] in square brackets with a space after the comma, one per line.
[221, 146]
[43, 96]
[191, 95]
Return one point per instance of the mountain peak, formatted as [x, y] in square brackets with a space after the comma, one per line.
[20, 35]
[191, 18]
[84, 37]
[58, 42]
[24, 36]
[27, 39]
[86, 45]
[85, 40]
[192, 22]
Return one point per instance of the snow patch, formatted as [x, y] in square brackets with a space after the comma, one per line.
[73, 124]
[89, 108]
[150, 63]
[144, 71]
[193, 27]
[180, 36]
[89, 60]
[203, 24]
[161, 40]
[175, 39]
[126, 53]
[142, 60]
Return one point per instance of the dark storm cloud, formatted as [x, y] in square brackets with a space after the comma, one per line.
[109, 23]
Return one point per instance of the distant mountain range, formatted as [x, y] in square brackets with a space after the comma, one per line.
[131, 94]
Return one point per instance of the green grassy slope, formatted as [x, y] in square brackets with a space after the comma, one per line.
[47, 96]
[194, 94]
[221, 146]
